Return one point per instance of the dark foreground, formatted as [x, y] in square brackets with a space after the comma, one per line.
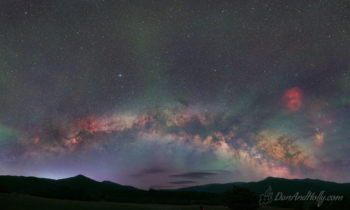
[21, 202]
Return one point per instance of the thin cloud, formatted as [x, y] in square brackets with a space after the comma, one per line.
[152, 170]
[221, 171]
[161, 186]
[195, 175]
[183, 182]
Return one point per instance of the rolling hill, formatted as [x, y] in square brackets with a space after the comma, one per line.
[73, 188]
[84, 188]
[286, 186]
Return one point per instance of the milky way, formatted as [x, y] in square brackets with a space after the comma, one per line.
[167, 95]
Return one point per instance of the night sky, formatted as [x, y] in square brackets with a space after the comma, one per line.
[168, 94]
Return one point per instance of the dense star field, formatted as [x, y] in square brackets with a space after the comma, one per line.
[168, 94]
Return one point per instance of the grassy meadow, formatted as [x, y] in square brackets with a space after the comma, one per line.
[22, 202]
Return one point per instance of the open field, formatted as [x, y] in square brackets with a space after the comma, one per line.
[20, 202]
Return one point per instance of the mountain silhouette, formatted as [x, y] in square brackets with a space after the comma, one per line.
[83, 188]
[285, 186]
[73, 188]
[212, 188]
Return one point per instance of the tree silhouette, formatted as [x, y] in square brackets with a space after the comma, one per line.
[241, 198]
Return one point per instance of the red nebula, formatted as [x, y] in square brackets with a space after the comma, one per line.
[89, 125]
[292, 99]
[36, 140]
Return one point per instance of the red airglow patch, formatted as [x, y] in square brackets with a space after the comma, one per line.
[292, 99]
